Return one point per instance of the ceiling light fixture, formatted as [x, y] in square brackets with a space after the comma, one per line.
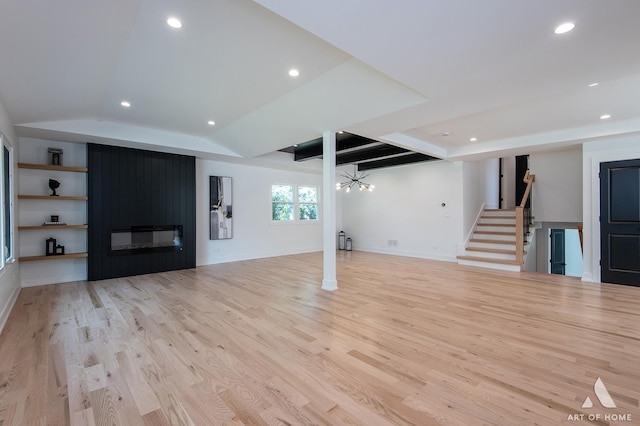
[564, 28]
[354, 180]
[174, 22]
[604, 116]
[593, 84]
[473, 139]
[211, 123]
[125, 104]
[294, 72]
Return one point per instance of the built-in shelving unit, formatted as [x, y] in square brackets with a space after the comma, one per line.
[50, 167]
[53, 197]
[58, 228]
[39, 227]
[56, 257]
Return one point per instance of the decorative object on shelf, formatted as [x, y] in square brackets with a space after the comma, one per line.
[220, 208]
[341, 238]
[55, 156]
[50, 247]
[349, 244]
[354, 180]
[54, 184]
[55, 221]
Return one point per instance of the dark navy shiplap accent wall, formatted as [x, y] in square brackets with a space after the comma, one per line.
[131, 187]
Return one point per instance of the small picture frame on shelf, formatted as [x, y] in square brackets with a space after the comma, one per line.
[55, 156]
[50, 247]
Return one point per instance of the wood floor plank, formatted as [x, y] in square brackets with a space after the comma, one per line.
[404, 341]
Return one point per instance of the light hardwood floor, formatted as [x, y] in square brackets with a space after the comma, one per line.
[404, 341]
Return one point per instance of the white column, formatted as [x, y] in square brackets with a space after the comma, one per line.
[329, 281]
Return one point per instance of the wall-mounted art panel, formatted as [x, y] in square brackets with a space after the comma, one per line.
[220, 208]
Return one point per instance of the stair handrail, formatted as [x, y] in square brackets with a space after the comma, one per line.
[523, 217]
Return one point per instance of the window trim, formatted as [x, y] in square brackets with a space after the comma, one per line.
[11, 210]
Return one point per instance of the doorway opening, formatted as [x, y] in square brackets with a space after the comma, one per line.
[565, 253]
[556, 249]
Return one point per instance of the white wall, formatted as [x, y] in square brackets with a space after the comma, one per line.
[480, 188]
[10, 274]
[35, 212]
[557, 191]
[254, 235]
[593, 153]
[405, 207]
[572, 253]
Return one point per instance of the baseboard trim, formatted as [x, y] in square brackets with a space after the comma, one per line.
[419, 255]
[6, 310]
[252, 256]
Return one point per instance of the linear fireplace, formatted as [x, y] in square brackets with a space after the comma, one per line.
[146, 239]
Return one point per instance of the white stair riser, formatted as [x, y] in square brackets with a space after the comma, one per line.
[513, 268]
[495, 237]
[491, 255]
[495, 228]
[485, 222]
[500, 214]
[494, 246]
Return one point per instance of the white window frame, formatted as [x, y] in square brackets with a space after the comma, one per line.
[296, 204]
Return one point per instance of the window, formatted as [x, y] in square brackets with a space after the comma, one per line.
[282, 205]
[307, 203]
[6, 232]
[7, 205]
[291, 203]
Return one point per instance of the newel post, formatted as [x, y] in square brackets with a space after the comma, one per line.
[520, 235]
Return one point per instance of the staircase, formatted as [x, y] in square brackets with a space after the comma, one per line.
[493, 243]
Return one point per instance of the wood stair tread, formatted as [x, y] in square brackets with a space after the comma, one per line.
[490, 250]
[495, 233]
[488, 241]
[499, 210]
[498, 217]
[489, 260]
[510, 225]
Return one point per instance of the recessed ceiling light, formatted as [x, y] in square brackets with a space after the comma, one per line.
[473, 139]
[174, 22]
[125, 104]
[295, 145]
[294, 72]
[604, 116]
[564, 28]
[211, 123]
[593, 84]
